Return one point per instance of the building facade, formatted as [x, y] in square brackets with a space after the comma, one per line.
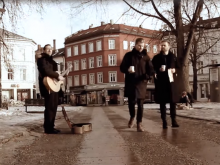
[96, 54]
[17, 67]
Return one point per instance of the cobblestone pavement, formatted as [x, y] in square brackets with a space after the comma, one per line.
[195, 142]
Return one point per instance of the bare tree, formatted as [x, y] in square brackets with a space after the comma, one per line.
[203, 47]
[175, 15]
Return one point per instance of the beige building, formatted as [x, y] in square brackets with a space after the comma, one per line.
[18, 67]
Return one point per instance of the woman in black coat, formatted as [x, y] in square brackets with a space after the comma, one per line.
[166, 90]
[136, 82]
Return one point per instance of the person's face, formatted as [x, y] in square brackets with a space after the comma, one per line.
[48, 50]
[139, 46]
[165, 46]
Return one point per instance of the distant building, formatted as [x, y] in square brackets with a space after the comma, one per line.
[17, 67]
[96, 54]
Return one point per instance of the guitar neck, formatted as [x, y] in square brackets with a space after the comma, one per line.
[64, 72]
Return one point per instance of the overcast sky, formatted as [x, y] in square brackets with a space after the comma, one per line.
[57, 23]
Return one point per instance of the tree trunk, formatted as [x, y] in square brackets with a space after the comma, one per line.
[195, 81]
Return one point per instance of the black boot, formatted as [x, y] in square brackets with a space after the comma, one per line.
[174, 123]
[164, 124]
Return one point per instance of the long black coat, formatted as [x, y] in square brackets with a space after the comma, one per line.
[136, 83]
[46, 67]
[166, 91]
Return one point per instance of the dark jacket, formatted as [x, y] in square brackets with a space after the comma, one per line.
[136, 83]
[47, 67]
[166, 91]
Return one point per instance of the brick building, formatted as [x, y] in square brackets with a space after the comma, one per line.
[96, 54]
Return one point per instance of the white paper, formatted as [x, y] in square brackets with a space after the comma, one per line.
[170, 74]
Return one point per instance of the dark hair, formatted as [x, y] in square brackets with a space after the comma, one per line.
[139, 40]
[166, 41]
[46, 46]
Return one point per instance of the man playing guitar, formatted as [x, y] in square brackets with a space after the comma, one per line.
[47, 67]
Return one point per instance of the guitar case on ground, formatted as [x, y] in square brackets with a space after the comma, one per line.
[76, 128]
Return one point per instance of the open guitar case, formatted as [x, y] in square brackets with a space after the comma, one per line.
[76, 128]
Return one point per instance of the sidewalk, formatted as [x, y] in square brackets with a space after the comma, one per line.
[15, 122]
[209, 111]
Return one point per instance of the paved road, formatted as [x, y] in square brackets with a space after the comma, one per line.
[111, 142]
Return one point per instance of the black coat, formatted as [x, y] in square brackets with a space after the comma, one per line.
[136, 83]
[47, 67]
[166, 91]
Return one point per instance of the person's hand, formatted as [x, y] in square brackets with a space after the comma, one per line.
[61, 78]
[130, 70]
[162, 69]
[155, 75]
[173, 70]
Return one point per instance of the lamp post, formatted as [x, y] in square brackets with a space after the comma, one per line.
[1, 13]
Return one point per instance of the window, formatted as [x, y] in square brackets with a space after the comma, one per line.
[99, 61]
[111, 44]
[83, 63]
[83, 49]
[91, 78]
[98, 45]
[91, 48]
[155, 49]
[22, 74]
[132, 45]
[113, 76]
[10, 74]
[76, 50]
[148, 47]
[68, 64]
[76, 80]
[84, 79]
[76, 65]
[200, 65]
[214, 61]
[125, 45]
[69, 81]
[68, 51]
[112, 59]
[100, 77]
[91, 62]
[22, 53]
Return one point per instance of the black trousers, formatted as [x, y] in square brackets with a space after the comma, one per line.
[131, 106]
[51, 103]
[172, 110]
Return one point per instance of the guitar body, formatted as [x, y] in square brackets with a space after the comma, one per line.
[52, 84]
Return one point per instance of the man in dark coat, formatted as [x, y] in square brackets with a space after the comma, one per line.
[165, 87]
[137, 67]
[48, 67]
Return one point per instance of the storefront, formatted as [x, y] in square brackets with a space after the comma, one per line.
[79, 98]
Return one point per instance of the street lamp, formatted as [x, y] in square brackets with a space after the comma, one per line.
[2, 10]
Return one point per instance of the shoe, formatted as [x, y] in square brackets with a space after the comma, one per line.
[174, 123]
[140, 127]
[165, 124]
[131, 123]
[56, 130]
[51, 132]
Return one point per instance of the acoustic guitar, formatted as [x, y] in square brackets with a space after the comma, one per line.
[52, 84]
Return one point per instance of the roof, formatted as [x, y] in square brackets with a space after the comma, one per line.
[59, 52]
[112, 29]
[13, 36]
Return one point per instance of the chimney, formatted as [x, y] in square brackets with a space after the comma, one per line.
[39, 47]
[54, 44]
[111, 22]
[102, 23]
[91, 26]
